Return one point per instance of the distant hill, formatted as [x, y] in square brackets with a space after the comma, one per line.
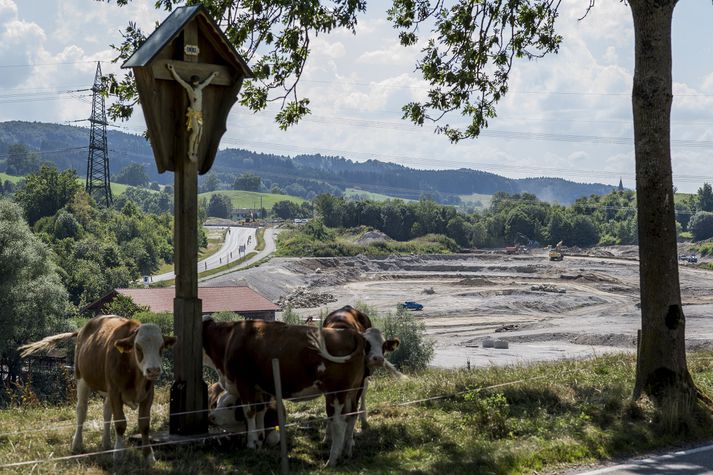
[302, 175]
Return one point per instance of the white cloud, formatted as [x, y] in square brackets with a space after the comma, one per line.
[8, 9]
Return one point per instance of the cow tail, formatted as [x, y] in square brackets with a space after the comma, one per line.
[393, 371]
[322, 349]
[45, 344]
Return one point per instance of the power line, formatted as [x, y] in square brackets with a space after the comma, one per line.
[49, 152]
[33, 65]
[430, 161]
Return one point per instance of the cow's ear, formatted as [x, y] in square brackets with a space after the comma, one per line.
[168, 341]
[391, 345]
[126, 344]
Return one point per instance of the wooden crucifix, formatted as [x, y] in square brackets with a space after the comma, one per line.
[188, 77]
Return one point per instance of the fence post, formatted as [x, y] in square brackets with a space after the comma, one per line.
[284, 468]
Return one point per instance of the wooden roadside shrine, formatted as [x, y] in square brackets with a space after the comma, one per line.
[188, 77]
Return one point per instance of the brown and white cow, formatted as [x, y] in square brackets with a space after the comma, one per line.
[313, 361]
[376, 347]
[121, 359]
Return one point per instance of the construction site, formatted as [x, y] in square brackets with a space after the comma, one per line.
[543, 309]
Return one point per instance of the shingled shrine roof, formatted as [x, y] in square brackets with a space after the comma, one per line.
[171, 28]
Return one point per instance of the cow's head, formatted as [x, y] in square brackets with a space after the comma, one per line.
[147, 344]
[377, 347]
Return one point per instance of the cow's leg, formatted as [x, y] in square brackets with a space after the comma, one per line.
[117, 410]
[144, 425]
[260, 422]
[82, 402]
[351, 418]
[106, 430]
[362, 406]
[338, 429]
[249, 411]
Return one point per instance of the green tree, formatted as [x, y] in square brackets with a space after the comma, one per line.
[219, 206]
[32, 299]
[123, 305]
[210, 183]
[46, 191]
[286, 210]
[701, 225]
[133, 174]
[247, 182]
[21, 160]
[704, 198]
[330, 209]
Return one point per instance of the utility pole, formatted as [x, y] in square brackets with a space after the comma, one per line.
[97, 184]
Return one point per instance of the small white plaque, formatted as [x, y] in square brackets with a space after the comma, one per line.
[191, 50]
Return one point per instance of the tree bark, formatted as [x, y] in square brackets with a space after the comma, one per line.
[662, 371]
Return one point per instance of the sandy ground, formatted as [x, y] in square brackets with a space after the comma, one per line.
[545, 310]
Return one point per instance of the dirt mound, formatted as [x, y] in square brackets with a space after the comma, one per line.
[304, 298]
[372, 236]
[590, 277]
[548, 288]
[475, 281]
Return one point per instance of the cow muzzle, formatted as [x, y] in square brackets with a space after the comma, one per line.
[152, 374]
[376, 361]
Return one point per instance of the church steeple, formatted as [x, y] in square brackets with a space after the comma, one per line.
[621, 185]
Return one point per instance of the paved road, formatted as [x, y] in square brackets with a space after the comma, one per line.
[236, 237]
[270, 246]
[697, 460]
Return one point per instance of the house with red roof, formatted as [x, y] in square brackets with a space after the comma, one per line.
[237, 299]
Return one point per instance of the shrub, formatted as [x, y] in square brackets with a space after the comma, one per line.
[227, 317]
[415, 351]
[701, 225]
[124, 306]
[291, 317]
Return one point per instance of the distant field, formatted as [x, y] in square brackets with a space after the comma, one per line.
[352, 192]
[251, 199]
[484, 199]
[14, 179]
[681, 197]
[116, 188]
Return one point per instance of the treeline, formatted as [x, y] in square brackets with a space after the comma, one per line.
[95, 248]
[517, 218]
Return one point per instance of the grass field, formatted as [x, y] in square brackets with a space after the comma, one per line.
[475, 197]
[12, 178]
[496, 420]
[352, 192]
[116, 188]
[251, 199]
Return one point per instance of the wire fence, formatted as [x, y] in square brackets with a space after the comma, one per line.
[304, 423]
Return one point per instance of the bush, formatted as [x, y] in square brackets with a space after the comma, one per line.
[290, 317]
[701, 225]
[227, 317]
[415, 351]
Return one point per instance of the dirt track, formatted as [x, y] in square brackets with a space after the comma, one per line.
[546, 310]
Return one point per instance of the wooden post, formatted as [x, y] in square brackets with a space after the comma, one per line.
[186, 120]
[284, 464]
[189, 393]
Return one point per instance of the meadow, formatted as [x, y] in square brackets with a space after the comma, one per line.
[517, 419]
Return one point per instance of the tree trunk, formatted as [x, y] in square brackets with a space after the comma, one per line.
[662, 371]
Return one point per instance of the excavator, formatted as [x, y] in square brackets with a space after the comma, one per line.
[556, 252]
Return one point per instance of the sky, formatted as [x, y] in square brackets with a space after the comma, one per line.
[567, 115]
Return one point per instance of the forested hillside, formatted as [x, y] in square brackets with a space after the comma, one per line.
[303, 175]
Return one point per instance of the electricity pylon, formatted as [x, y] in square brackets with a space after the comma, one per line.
[98, 185]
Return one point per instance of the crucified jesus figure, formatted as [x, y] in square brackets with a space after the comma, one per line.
[194, 114]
